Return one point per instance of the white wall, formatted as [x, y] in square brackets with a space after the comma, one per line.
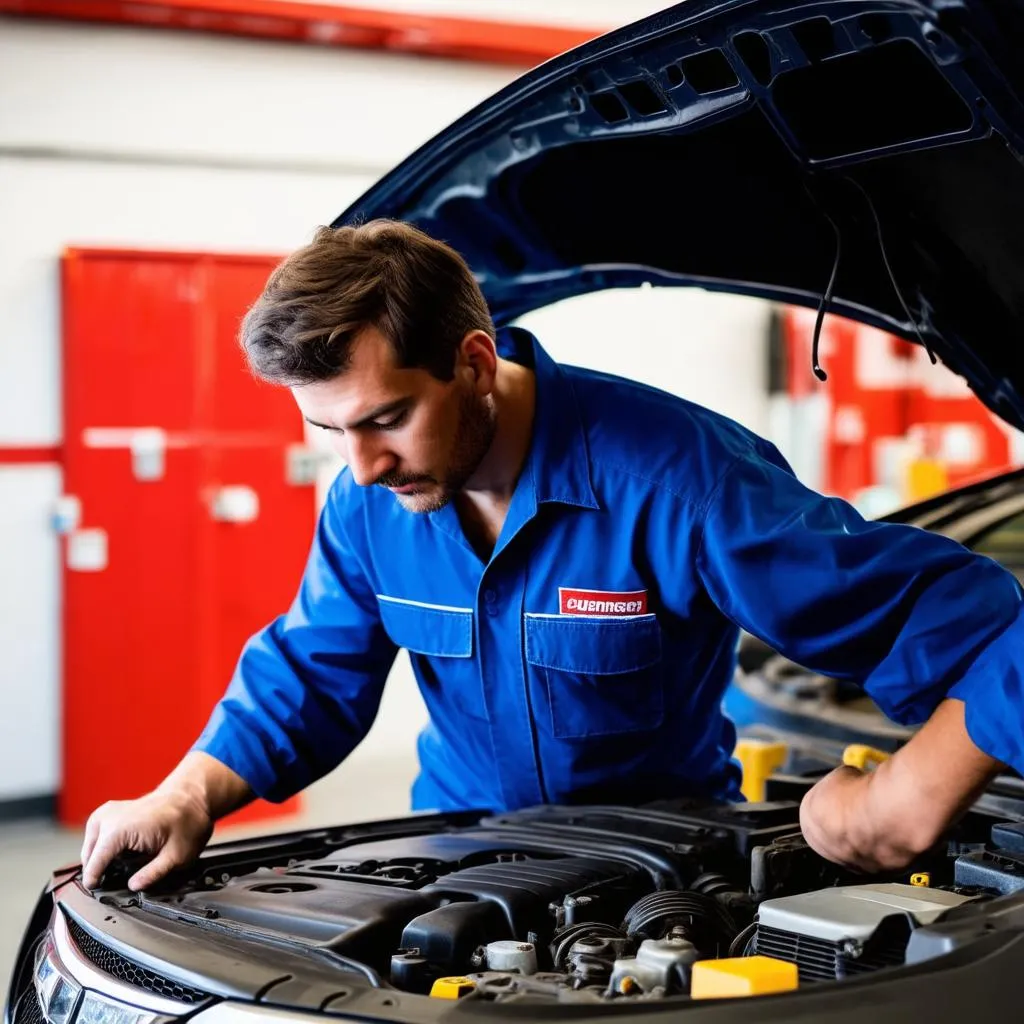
[141, 138]
[29, 615]
[704, 346]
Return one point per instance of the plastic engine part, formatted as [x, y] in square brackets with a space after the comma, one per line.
[742, 976]
[1001, 872]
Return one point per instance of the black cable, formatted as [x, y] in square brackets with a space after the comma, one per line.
[826, 301]
[888, 268]
[739, 944]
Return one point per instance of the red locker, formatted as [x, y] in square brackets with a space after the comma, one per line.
[196, 504]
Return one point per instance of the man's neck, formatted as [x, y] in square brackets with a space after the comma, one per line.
[484, 500]
[514, 403]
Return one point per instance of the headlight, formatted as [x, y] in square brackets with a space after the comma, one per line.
[96, 1009]
[59, 996]
[45, 975]
[57, 991]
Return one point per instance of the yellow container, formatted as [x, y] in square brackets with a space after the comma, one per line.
[742, 976]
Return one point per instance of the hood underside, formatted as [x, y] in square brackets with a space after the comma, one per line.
[752, 147]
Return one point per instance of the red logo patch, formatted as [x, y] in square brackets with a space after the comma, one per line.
[602, 602]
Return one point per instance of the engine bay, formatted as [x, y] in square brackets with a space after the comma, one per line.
[594, 904]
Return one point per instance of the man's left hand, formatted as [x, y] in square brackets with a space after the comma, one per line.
[881, 820]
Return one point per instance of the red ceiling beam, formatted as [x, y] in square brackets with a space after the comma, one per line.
[474, 39]
[12, 455]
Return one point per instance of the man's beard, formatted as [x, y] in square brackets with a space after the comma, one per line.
[474, 433]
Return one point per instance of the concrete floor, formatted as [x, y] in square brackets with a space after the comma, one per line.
[364, 788]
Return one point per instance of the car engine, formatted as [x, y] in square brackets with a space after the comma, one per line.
[584, 904]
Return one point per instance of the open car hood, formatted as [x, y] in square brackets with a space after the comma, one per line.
[731, 145]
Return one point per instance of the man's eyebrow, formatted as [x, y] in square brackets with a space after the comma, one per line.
[380, 410]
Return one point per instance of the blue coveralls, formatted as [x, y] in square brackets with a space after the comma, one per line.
[587, 659]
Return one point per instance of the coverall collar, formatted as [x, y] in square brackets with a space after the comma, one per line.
[557, 466]
[558, 462]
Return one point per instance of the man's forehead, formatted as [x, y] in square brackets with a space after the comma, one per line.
[370, 351]
[370, 382]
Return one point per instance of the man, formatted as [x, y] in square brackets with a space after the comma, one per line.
[568, 557]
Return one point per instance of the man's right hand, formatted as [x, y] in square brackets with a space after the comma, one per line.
[172, 825]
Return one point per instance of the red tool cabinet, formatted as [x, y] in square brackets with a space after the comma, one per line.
[188, 514]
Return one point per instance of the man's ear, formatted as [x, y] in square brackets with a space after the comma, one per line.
[478, 356]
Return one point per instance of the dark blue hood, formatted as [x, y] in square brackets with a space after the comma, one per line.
[731, 145]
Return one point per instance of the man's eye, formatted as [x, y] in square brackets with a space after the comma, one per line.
[394, 423]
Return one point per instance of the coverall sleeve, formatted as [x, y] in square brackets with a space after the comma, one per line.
[307, 687]
[911, 615]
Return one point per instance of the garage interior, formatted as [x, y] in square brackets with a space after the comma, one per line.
[156, 162]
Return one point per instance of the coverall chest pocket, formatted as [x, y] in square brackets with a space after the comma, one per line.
[439, 640]
[603, 675]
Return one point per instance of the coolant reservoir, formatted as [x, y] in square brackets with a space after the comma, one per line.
[509, 955]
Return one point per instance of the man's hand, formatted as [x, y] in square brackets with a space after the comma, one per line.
[173, 823]
[881, 820]
[174, 826]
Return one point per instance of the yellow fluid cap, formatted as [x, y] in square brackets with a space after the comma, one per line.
[741, 976]
[921, 878]
[451, 988]
[758, 758]
[857, 755]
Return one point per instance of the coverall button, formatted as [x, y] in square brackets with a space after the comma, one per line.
[490, 596]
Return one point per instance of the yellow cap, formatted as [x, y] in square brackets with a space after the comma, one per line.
[921, 878]
[759, 759]
[741, 976]
[451, 988]
[857, 755]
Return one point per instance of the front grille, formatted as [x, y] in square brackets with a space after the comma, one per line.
[819, 960]
[28, 1010]
[111, 962]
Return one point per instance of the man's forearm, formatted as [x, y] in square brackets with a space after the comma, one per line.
[217, 788]
[881, 820]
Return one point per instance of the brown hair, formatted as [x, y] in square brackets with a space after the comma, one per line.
[418, 292]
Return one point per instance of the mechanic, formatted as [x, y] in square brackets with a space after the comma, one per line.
[568, 558]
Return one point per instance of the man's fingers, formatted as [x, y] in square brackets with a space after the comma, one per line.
[92, 831]
[167, 859]
[104, 851]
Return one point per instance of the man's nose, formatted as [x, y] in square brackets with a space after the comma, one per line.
[367, 460]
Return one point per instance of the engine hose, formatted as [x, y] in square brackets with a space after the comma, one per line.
[737, 902]
[699, 916]
[564, 940]
[712, 884]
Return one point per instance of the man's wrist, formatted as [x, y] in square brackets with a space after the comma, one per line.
[206, 785]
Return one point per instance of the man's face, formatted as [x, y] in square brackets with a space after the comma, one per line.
[403, 429]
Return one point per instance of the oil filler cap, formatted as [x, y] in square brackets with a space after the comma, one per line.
[451, 988]
[741, 976]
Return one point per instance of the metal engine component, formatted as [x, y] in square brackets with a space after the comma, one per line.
[659, 963]
[509, 955]
[833, 933]
[586, 951]
[854, 911]
[695, 916]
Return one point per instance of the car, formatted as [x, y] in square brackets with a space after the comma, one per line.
[863, 157]
[772, 699]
